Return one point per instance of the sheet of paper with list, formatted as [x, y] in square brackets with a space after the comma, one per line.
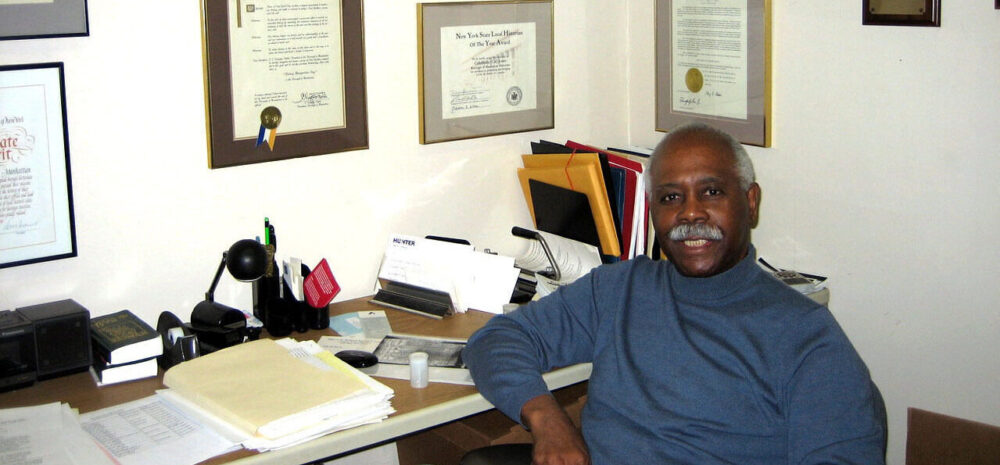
[151, 431]
[48, 434]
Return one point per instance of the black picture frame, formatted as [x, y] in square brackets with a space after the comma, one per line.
[58, 18]
[37, 221]
[921, 13]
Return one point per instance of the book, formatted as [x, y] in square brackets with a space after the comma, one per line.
[105, 374]
[122, 337]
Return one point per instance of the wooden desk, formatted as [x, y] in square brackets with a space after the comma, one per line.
[416, 409]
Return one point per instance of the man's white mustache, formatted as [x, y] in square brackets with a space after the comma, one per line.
[687, 231]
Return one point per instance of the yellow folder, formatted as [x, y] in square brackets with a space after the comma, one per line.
[559, 160]
[580, 176]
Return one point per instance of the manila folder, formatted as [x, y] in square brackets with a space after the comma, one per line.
[255, 383]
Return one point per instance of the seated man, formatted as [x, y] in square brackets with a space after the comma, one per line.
[702, 359]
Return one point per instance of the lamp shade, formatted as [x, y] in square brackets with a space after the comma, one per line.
[246, 260]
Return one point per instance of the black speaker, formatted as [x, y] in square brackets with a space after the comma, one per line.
[62, 337]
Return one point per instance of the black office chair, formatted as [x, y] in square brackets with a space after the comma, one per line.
[500, 454]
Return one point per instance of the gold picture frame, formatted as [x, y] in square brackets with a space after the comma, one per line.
[282, 82]
[713, 64]
[484, 68]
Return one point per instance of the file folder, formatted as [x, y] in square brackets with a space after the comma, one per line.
[587, 179]
[563, 212]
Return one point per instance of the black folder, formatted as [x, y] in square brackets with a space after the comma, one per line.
[563, 212]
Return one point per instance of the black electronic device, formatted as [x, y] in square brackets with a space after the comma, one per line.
[357, 358]
[62, 337]
[17, 351]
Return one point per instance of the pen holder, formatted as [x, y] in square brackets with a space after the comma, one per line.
[281, 316]
[268, 306]
[299, 311]
[317, 318]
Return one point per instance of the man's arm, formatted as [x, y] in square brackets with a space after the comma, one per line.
[836, 414]
[557, 440]
[508, 356]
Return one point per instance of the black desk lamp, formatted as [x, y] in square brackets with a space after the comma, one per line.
[217, 325]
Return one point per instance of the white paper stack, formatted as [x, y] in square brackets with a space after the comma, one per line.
[270, 394]
[473, 280]
[49, 433]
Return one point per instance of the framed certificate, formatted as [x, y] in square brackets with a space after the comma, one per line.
[36, 196]
[34, 19]
[713, 66]
[485, 68]
[284, 79]
[902, 12]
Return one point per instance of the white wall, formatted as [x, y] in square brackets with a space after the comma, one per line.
[883, 175]
[153, 220]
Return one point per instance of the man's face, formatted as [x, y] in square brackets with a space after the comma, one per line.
[696, 188]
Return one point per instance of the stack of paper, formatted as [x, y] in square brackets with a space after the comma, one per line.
[473, 279]
[269, 394]
[49, 433]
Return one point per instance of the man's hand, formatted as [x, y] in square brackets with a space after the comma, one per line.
[557, 440]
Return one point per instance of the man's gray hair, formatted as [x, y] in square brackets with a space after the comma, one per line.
[744, 167]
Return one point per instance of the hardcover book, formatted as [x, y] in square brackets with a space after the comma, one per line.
[110, 374]
[122, 337]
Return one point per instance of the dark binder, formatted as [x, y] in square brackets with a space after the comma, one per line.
[563, 212]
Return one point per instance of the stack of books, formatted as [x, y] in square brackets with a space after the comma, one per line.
[268, 394]
[125, 348]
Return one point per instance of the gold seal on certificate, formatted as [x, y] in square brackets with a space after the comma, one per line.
[694, 80]
[270, 117]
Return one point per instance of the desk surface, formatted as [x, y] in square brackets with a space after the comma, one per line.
[416, 409]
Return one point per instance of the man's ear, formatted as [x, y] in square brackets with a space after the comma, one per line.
[753, 202]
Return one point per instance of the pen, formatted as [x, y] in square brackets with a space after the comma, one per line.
[267, 230]
[273, 238]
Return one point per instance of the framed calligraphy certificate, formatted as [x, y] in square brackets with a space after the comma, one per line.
[713, 65]
[36, 197]
[284, 79]
[35, 19]
[485, 68]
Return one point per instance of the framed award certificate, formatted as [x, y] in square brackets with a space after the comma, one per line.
[713, 66]
[35, 19]
[36, 196]
[485, 68]
[284, 79]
